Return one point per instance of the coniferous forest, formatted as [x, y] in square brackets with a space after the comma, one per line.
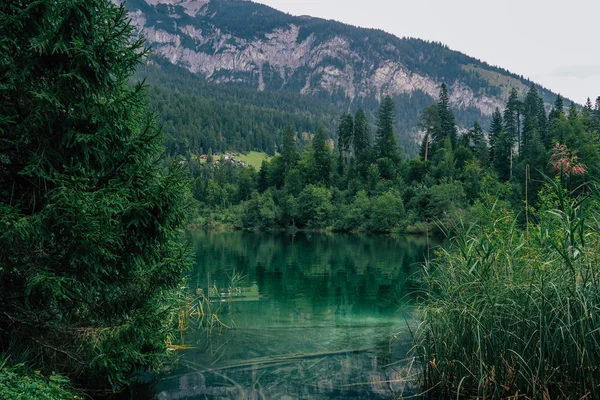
[95, 196]
[365, 183]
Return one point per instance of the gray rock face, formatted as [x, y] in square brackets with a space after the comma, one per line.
[187, 33]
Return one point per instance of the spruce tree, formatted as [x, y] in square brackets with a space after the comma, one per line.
[530, 116]
[573, 113]
[512, 123]
[321, 158]
[429, 121]
[345, 136]
[289, 155]
[362, 140]
[447, 123]
[503, 158]
[90, 245]
[496, 127]
[386, 145]
[478, 144]
[558, 108]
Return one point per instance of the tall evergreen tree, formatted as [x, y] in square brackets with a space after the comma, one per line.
[289, 154]
[573, 113]
[386, 145]
[362, 139]
[496, 127]
[586, 115]
[531, 120]
[90, 247]
[321, 154]
[478, 144]
[503, 158]
[429, 122]
[345, 136]
[447, 122]
[512, 123]
[558, 108]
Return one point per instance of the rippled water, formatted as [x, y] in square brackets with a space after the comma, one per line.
[309, 316]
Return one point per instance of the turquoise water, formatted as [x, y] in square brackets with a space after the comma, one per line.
[308, 316]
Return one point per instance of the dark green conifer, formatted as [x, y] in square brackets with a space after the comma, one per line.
[321, 158]
[386, 144]
[531, 118]
[289, 154]
[429, 121]
[573, 113]
[512, 122]
[345, 136]
[447, 123]
[90, 246]
[558, 108]
[362, 139]
[478, 144]
[496, 127]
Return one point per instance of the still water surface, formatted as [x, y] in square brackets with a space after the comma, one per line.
[310, 316]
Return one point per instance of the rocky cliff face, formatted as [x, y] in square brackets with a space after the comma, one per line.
[245, 42]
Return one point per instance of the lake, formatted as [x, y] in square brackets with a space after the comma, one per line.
[301, 316]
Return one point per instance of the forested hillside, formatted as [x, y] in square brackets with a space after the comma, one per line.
[268, 63]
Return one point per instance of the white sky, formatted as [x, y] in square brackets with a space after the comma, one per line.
[556, 44]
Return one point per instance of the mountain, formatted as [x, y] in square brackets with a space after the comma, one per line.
[250, 45]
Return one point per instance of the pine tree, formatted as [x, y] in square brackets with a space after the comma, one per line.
[429, 121]
[558, 108]
[447, 122]
[345, 136]
[321, 154]
[496, 127]
[479, 145]
[512, 123]
[503, 158]
[531, 120]
[586, 115]
[386, 145]
[90, 246]
[263, 181]
[289, 155]
[573, 113]
[362, 140]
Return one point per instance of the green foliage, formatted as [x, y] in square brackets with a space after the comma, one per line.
[90, 243]
[386, 145]
[321, 163]
[388, 212]
[313, 207]
[17, 383]
[446, 128]
[510, 312]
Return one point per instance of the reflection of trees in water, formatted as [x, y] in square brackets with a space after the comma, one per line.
[329, 269]
[325, 329]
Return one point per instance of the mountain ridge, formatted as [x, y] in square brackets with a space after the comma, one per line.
[251, 44]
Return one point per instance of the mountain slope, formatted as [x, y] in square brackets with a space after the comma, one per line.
[249, 44]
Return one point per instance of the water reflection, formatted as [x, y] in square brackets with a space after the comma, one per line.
[315, 316]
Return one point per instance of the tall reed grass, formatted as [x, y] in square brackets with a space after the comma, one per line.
[512, 312]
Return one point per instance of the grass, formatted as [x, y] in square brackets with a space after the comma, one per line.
[505, 82]
[513, 313]
[254, 158]
[17, 382]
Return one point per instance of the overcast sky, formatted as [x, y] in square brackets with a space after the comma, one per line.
[556, 44]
